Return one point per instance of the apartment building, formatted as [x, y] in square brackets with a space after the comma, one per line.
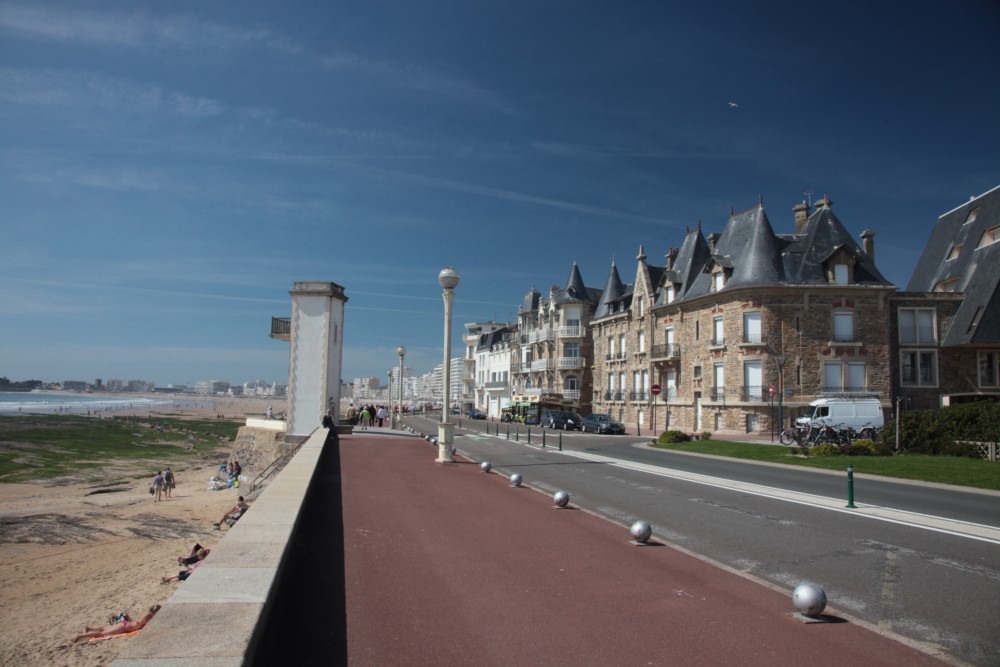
[743, 325]
[473, 393]
[554, 344]
[945, 327]
[494, 355]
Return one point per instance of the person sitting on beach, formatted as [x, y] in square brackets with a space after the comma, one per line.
[122, 627]
[182, 575]
[233, 515]
[198, 553]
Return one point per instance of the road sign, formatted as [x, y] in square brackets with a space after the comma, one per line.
[655, 389]
[770, 390]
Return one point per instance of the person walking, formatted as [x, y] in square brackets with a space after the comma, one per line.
[169, 482]
[381, 414]
[158, 486]
[365, 418]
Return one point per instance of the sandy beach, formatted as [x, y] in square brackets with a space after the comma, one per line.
[79, 552]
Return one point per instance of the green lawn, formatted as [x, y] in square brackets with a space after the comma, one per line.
[41, 447]
[981, 474]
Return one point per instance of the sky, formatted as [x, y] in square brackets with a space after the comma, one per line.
[169, 170]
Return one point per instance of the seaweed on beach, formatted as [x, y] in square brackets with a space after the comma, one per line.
[156, 527]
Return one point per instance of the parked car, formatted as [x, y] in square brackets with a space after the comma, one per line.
[602, 423]
[475, 414]
[569, 421]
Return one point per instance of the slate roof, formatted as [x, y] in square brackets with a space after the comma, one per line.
[976, 268]
[614, 290]
[488, 340]
[530, 302]
[804, 254]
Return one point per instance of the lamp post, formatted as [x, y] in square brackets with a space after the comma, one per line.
[388, 402]
[401, 351]
[448, 278]
[779, 360]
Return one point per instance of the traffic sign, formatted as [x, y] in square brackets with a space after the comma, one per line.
[655, 389]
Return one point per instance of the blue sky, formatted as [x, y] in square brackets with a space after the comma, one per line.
[168, 170]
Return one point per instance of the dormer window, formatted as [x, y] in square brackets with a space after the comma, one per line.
[840, 274]
[946, 285]
[718, 280]
[671, 294]
[973, 214]
[956, 250]
[990, 236]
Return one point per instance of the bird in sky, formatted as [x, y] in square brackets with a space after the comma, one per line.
[733, 105]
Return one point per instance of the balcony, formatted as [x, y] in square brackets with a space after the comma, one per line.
[845, 339]
[571, 394]
[638, 396]
[281, 328]
[665, 351]
[753, 339]
[717, 394]
[571, 362]
[542, 336]
[753, 394]
[495, 385]
[717, 342]
[542, 365]
[613, 396]
[525, 367]
[570, 332]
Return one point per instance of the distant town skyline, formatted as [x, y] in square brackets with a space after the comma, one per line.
[170, 170]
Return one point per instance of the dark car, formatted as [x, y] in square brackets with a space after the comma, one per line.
[475, 414]
[569, 421]
[602, 423]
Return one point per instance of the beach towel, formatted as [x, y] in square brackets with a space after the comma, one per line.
[121, 634]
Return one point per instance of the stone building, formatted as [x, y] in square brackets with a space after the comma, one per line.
[744, 325]
[945, 327]
[555, 348]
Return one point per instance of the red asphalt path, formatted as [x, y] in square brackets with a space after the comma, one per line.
[447, 565]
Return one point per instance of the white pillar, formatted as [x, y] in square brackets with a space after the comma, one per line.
[448, 278]
[316, 355]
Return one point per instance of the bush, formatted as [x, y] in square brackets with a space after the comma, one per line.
[826, 449]
[854, 449]
[935, 431]
[874, 449]
[673, 437]
[706, 435]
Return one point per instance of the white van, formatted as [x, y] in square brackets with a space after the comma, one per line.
[853, 412]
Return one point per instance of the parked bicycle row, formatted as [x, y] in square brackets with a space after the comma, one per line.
[810, 435]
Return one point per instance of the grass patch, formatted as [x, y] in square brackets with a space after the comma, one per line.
[41, 447]
[977, 473]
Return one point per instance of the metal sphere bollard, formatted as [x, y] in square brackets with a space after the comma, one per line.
[641, 531]
[485, 466]
[809, 599]
[434, 441]
[561, 499]
[515, 479]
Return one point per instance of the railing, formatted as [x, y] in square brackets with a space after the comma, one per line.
[526, 368]
[542, 335]
[638, 396]
[754, 339]
[847, 390]
[281, 326]
[542, 365]
[665, 351]
[752, 393]
[495, 385]
[571, 362]
[717, 342]
[570, 332]
[571, 394]
[717, 393]
[273, 467]
[845, 338]
[613, 396]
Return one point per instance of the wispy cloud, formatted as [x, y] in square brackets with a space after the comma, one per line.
[136, 30]
[83, 89]
[422, 79]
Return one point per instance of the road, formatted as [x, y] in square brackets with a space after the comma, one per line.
[938, 585]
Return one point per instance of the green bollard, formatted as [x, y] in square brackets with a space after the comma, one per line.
[508, 431]
[517, 434]
[543, 439]
[560, 441]
[529, 436]
[850, 486]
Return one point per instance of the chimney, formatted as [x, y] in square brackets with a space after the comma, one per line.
[801, 212]
[868, 243]
[671, 256]
[712, 239]
[825, 202]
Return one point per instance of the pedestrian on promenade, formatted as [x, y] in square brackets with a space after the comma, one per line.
[381, 414]
[158, 486]
[365, 418]
[169, 482]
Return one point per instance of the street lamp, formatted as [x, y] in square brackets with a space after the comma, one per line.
[388, 403]
[779, 361]
[401, 351]
[448, 278]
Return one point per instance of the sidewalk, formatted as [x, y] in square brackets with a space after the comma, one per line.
[447, 565]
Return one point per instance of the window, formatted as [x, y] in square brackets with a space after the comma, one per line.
[718, 280]
[973, 214]
[955, 251]
[621, 346]
[642, 307]
[719, 375]
[671, 294]
[991, 235]
[611, 347]
[670, 380]
[611, 382]
[947, 285]
[918, 368]
[916, 326]
[571, 350]
[718, 332]
[751, 328]
[697, 329]
[636, 382]
[571, 383]
[988, 368]
[843, 327]
[753, 381]
[850, 376]
[621, 382]
[696, 372]
[840, 274]
[642, 341]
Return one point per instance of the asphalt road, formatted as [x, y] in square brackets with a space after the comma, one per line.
[931, 586]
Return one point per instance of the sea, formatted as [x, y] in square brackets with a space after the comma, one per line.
[54, 403]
